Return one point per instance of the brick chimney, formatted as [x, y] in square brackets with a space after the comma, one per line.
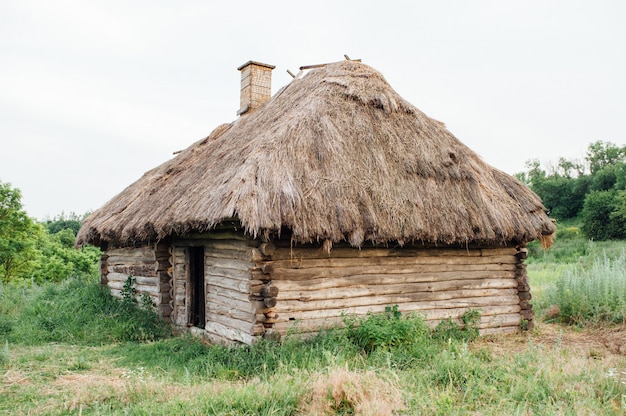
[256, 85]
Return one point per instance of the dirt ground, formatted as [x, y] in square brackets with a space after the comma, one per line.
[594, 342]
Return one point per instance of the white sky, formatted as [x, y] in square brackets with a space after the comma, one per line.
[95, 93]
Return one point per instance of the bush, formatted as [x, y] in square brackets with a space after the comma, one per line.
[384, 330]
[448, 329]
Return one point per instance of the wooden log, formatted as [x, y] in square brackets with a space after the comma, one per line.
[267, 268]
[228, 263]
[233, 313]
[269, 291]
[229, 321]
[243, 286]
[236, 245]
[384, 278]
[522, 253]
[134, 269]
[343, 262]
[267, 249]
[500, 330]
[457, 299]
[303, 326]
[256, 287]
[402, 263]
[231, 254]
[423, 309]
[220, 273]
[347, 287]
[137, 252]
[139, 280]
[228, 334]
[242, 305]
[357, 293]
[263, 318]
[269, 302]
[229, 293]
[152, 290]
[287, 253]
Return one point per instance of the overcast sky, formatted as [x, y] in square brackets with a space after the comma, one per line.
[95, 93]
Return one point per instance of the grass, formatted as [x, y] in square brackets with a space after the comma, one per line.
[72, 349]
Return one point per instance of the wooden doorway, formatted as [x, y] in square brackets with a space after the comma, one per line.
[197, 290]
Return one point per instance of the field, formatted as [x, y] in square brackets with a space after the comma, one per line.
[60, 354]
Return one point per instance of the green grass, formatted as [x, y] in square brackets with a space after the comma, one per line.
[75, 311]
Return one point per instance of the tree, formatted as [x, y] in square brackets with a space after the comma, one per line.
[71, 221]
[61, 260]
[18, 235]
[602, 154]
[601, 215]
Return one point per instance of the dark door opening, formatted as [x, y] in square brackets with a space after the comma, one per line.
[197, 300]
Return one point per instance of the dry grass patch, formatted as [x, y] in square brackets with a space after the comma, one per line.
[342, 391]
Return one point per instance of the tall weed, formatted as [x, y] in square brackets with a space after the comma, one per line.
[384, 330]
[589, 295]
[76, 311]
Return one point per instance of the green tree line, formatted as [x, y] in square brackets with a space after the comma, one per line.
[592, 191]
[33, 251]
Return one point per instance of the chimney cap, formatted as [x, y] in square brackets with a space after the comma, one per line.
[255, 63]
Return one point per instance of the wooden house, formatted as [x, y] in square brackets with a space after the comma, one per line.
[333, 196]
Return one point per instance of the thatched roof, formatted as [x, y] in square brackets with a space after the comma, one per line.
[336, 155]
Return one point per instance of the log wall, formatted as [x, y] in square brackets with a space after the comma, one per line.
[146, 265]
[314, 288]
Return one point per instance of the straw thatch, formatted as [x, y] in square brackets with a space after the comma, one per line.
[336, 155]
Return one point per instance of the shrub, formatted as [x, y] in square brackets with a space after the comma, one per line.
[449, 329]
[384, 330]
